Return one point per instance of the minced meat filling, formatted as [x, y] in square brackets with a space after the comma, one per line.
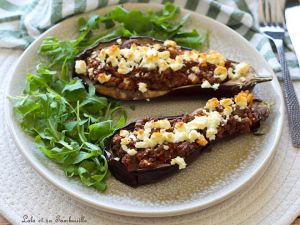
[157, 66]
[240, 120]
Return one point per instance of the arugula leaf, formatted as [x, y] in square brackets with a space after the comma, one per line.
[69, 123]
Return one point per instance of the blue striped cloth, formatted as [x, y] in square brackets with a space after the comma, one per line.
[21, 22]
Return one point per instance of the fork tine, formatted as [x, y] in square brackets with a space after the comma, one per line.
[276, 12]
[267, 12]
[281, 20]
[261, 16]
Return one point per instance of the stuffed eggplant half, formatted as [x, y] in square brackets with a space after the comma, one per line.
[143, 68]
[151, 149]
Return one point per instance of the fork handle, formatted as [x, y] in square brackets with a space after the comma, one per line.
[291, 101]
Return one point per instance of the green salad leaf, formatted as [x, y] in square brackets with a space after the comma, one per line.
[69, 122]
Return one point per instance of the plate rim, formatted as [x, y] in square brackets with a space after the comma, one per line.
[255, 175]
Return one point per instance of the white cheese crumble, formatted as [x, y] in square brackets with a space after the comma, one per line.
[216, 58]
[142, 87]
[80, 67]
[205, 84]
[119, 41]
[103, 78]
[179, 161]
[241, 100]
[91, 71]
[242, 69]
[170, 43]
[237, 118]
[195, 69]
[129, 151]
[220, 72]
[124, 133]
[166, 147]
[193, 77]
[215, 86]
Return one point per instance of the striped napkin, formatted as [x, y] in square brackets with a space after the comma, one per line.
[22, 21]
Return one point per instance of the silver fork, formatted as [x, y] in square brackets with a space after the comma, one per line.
[273, 26]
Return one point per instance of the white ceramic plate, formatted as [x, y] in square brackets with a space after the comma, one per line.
[214, 176]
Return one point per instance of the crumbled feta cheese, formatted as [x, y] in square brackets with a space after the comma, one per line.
[241, 100]
[125, 141]
[80, 67]
[168, 136]
[231, 75]
[220, 72]
[212, 103]
[123, 67]
[132, 136]
[142, 87]
[131, 152]
[211, 133]
[195, 69]
[91, 71]
[162, 65]
[205, 84]
[124, 133]
[198, 123]
[242, 69]
[179, 161]
[213, 121]
[170, 43]
[119, 41]
[176, 64]
[157, 138]
[227, 110]
[102, 54]
[164, 55]
[193, 77]
[237, 118]
[180, 126]
[215, 58]
[202, 141]
[226, 102]
[156, 46]
[113, 60]
[113, 50]
[163, 124]
[166, 147]
[193, 135]
[215, 86]
[103, 78]
[142, 134]
[180, 136]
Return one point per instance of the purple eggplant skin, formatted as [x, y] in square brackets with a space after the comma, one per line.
[227, 88]
[149, 176]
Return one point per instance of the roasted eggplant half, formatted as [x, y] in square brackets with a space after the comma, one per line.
[151, 149]
[144, 68]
